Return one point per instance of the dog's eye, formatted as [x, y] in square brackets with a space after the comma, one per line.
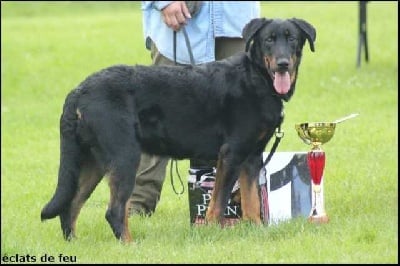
[269, 40]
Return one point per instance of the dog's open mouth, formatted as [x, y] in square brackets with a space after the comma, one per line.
[281, 82]
[281, 79]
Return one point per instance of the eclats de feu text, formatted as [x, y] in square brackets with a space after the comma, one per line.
[27, 258]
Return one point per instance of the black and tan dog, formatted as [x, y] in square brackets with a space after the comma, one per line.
[226, 110]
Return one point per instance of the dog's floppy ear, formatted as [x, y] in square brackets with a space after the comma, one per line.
[307, 29]
[251, 28]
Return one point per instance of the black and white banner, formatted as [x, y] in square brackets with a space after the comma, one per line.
[288, 185]
[285, 190]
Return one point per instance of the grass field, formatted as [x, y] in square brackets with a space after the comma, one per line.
[47, 48]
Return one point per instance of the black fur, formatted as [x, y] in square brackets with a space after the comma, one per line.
[226, 110]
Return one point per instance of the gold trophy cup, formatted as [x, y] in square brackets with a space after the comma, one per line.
[316, 134]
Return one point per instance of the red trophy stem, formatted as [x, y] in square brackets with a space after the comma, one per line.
[316, 165]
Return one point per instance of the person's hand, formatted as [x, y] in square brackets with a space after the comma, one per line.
[175, 15]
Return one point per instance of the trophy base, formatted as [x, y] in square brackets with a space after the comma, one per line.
[320, 219]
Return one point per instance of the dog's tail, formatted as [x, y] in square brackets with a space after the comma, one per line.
[69, 169]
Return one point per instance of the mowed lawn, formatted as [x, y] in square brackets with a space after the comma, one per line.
[48, 48]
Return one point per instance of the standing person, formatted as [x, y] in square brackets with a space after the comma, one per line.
[214, 29]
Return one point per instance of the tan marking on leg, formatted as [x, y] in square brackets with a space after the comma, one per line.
[88, 180]
[126, 236]
[214, 212]
[250, 199]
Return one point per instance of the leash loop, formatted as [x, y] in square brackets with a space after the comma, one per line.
[187, 42]
[179, 177]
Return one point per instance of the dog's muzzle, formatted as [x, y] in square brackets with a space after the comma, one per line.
[279, 72]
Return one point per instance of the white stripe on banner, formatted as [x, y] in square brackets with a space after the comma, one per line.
[280, 199]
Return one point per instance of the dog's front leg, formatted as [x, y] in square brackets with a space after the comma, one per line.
[226, 176]
[248, 180]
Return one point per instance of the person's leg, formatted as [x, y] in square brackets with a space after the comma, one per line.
[152, 169]
[149, 181]
[225, 47]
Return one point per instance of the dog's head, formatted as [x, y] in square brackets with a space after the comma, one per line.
[276, 46]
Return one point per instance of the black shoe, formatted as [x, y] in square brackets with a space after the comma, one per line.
[139, 210]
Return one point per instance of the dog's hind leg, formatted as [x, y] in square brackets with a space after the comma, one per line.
[90, 175]
[121, 182]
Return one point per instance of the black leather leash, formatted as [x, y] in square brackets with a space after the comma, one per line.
[192, 63]
[278, 136]
[187, 46]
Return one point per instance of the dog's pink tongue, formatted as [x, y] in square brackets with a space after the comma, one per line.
[282, 82]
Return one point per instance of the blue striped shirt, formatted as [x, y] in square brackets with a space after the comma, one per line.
[214, 19]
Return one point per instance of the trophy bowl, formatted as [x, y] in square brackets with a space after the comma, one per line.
[316, 133]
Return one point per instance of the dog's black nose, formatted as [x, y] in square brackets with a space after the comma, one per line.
[283, 63]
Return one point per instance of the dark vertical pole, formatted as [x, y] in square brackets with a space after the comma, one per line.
[362, 31]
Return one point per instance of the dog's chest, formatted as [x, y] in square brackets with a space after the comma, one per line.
[271, 114]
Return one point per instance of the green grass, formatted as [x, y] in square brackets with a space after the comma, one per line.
[48, 48]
